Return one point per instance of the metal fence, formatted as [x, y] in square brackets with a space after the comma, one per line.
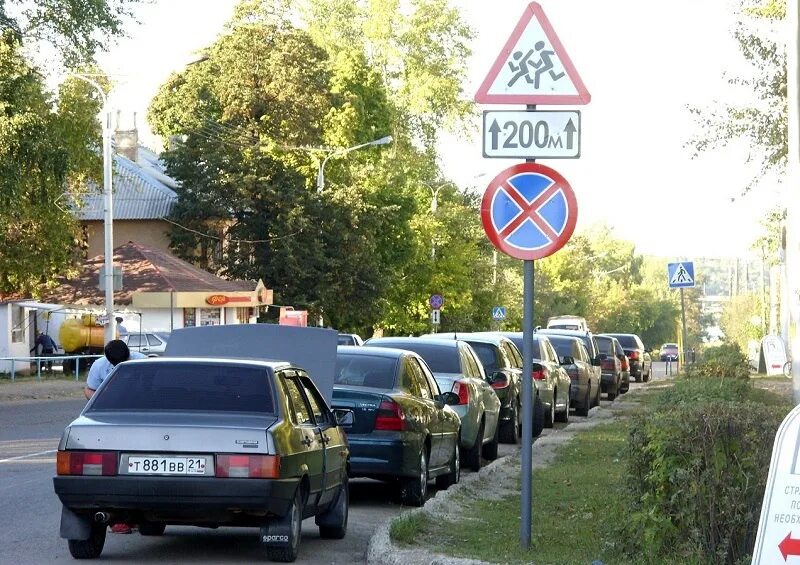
[46, 360]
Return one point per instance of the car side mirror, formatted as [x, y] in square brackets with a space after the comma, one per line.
[567, 360]
[602, 357]
[344, 417]
[447, 398]
[648, 350]
[597, 361]
[497, 377]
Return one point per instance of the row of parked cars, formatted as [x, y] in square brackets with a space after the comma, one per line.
[424, 406]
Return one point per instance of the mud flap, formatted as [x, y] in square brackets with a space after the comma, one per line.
[276, 533]
[75, 526]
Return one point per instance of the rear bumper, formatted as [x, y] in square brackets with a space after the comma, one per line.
[182, 499]
[374, 457]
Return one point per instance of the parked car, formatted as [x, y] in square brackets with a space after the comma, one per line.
[152, 344]
[669, 352]
[610, 366]
[457, 369]
[403, 427]
[502, 363]
[206, 442]
[625, 367]
[551, 381]
[567, 323]
[349, 339]
[590, 343]
[638, 355]
[577, 363]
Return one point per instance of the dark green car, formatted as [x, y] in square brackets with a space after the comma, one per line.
[403, 429]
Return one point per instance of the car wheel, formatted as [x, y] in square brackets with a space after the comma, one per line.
[550, 413]
[333, 522]
[472, 458]
[489, 450]
[596, 399]
[638, 378]
[152, 528]
[287, 527]
[613, 391]
[646, 377]
[89, 548]
[563, 417]
[416, 488]
[451, 478]
[509, 431]
[583, 408]
[538, 416]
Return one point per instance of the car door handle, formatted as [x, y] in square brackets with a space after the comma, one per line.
[325, 439]
[307, 441]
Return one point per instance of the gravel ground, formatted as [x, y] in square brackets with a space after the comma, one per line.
[47, 389]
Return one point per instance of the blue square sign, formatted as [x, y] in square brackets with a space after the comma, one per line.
[680, 275]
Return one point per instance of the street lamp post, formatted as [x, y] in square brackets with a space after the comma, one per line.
[108, 212]
[339, 152]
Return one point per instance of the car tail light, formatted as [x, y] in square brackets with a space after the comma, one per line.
[634, 355]
[86, 463]
[462, 390]
[607, 364]
[500, 382]
[248, 466]
[538, 374]
[624, 362]
[390, 417]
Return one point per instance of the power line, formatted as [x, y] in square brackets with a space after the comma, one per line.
[209, 236]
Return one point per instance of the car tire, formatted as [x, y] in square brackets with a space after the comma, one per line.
[333, 522]
[89, 548]
[489, 450]
[583, 407]
[638, 378]
[646, 377]
[538, 416]
[454, 475]
[416, 488]
[291, 523]
[563, 417]
[613, 391]
[152, 528]
[509, 430]
[472, 458]
[550, 414]
[596, 399]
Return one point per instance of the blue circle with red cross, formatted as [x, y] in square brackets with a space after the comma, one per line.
[529, 211]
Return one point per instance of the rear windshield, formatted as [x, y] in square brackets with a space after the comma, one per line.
[564, 327]
[440, 358]
[563, 346]
[670, 346]
[186, 387]
[604, 344]
[365, 370]
[345, 340]
[627, 341]
[488, 355]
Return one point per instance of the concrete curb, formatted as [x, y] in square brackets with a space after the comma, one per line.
[382, 551]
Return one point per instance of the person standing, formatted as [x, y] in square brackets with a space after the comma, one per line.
[120, 328]
[115, 352]
[48, 346]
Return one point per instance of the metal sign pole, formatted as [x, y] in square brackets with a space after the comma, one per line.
[683, 322]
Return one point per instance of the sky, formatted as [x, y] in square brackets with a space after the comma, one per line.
[642, 62]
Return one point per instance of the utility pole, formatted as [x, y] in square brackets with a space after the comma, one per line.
[793, 177]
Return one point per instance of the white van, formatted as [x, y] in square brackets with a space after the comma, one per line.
[567, 323]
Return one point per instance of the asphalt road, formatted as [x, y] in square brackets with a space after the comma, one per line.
[29, 515]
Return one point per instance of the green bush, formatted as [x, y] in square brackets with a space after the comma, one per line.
[697, 472]
[725, 361]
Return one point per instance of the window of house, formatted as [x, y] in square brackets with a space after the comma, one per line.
[17, 324]
[189, 317]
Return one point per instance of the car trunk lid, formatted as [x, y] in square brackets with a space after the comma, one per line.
[363, 401]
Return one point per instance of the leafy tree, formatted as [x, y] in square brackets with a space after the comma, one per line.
[737, 320]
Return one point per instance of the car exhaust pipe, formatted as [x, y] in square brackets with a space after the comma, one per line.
[102, 517]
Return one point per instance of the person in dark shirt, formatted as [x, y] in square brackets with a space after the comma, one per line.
[48, 346]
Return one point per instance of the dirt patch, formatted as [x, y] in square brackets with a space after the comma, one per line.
[46, 389]
[781, 386]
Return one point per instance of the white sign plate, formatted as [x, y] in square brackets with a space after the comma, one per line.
[779, 527]
[435, 317]
[519, 134]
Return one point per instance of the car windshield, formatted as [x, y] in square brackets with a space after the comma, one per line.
[365, 370]
[563, 346]
[605, 345]
[345, 340]
[440, 358]
[176, 387]
[487, 353]
[627, 341]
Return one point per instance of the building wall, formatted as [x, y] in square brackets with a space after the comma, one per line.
[10, 348]
[153, 233]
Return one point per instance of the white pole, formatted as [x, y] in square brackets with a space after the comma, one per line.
[108, 226]
[793, 178]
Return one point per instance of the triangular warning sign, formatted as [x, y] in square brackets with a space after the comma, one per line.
[533, 67]
[681, 276]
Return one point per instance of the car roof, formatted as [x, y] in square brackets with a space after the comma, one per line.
[573, 333]
[480, 337]
[270, 363]
[628, 335]
[444, 343]
[605, 336]
[389, 352]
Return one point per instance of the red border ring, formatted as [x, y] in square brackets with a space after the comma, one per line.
[486, 211]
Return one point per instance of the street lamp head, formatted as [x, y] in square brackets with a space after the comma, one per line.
[382, 141]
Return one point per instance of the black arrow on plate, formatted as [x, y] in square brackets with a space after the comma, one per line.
[494, 129]
[570, 130]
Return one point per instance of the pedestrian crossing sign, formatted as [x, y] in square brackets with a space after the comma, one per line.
[499, 313]
[680, 275]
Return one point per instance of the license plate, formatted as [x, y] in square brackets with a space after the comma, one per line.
[166, 465]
